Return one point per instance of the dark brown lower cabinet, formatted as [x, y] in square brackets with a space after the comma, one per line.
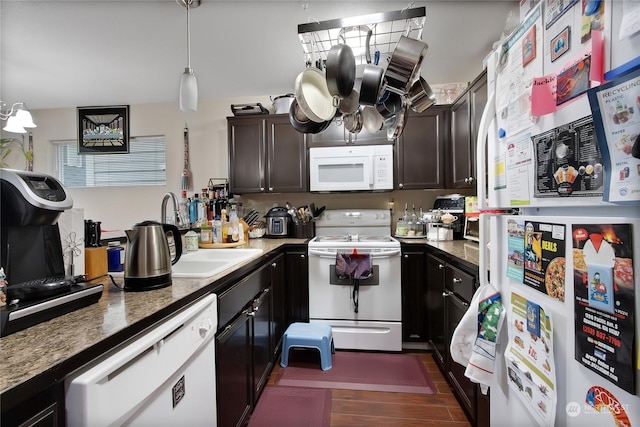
[45, 409]
[435, 307]
[233, 366]
[244, 345]
[297, 284]
[414, 294]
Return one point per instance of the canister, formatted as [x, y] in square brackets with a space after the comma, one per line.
[115, 257]
[191, 241]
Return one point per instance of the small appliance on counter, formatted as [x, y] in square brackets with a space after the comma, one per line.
[31, 252]
[452, 204]
[278, 222]
[471, 219]
[147, 259]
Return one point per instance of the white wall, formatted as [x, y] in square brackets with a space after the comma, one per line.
[119, 208]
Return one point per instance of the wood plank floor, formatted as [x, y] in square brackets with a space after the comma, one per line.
[352, 408]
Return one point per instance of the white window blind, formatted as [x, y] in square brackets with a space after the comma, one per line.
[145, 164]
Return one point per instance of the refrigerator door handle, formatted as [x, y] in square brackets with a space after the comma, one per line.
[488, 115]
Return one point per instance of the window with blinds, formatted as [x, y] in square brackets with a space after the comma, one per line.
[145, 164]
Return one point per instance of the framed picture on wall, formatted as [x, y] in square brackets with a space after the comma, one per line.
[561, 43]
[103, 130]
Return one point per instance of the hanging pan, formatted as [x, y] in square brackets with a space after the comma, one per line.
[404, 64]
[313, 95]
[341, 72]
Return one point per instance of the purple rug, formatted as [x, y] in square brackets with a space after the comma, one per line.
[403, 373]
[292, 407]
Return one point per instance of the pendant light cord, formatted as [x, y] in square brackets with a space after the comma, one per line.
[188, 2]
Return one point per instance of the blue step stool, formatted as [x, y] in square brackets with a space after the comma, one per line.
[309, 335]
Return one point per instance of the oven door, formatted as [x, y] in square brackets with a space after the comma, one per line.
[379, 297]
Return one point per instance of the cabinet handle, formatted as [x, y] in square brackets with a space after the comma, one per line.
[440, 266]
[261, 188]
[406, 256]
[447, 293]
[274, 265]
[302, 256]
[400, 185]
[270, 188]
[456, 280]
[466, 304]
[466, 180]
[471, 179]
[251, 313]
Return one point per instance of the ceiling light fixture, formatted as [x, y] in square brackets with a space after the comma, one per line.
[188, 83]
[18, 118]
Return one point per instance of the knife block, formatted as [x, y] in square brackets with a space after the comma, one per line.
[95, 263]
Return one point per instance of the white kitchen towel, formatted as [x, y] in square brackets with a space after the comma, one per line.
[71, 225]
[473, 343]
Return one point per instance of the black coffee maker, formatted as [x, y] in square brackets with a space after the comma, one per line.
[31, 252]
[31, 204]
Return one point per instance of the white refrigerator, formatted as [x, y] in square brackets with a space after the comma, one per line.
[567, 264]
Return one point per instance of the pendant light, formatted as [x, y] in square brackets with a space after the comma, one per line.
[18, 118]
[188, 83]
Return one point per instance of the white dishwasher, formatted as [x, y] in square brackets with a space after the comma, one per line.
[164, 378]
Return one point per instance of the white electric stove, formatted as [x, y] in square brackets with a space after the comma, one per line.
[375, 322]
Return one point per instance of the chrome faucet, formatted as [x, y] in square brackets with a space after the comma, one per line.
[176, 210]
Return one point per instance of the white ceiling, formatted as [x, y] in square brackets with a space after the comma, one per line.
[96, 52]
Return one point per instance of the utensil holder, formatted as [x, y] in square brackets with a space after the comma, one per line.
[304, 230]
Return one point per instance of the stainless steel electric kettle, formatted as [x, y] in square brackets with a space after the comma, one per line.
[147, 259]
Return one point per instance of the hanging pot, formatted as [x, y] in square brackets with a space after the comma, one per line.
[302, 123]
[282, 103]
[353, 122]
[372, 84]
[372, 120]
[421, 96]
[313, 96]
[404, 64]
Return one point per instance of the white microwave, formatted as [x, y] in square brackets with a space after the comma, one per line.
[351, 168]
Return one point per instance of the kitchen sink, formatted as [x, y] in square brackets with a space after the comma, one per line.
[209, 262]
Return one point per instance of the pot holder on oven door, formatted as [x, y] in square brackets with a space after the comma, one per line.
[361, 269]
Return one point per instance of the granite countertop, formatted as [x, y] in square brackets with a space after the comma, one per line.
[465, 250]
[45, 352]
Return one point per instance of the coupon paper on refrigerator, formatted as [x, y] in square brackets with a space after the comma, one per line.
[530, 360]
[604, 288]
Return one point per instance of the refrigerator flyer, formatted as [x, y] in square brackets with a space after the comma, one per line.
[544, 262]
[568, 161]
[616, 115]
[521, 59]
[605, 301]
[515, 243]
[529, 358]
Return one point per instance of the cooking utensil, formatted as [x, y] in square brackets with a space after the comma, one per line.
[341, 72]
[404, 64]
[353, 122]
[401, 118]
[148, 260]
[421, 96]
[303, 124]
[282, 103]
[186, 173]
[350, 104]
[313, 95]
[372, 120]
[278, 222]
[372, 84]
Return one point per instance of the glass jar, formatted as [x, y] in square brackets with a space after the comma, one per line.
[191, 240]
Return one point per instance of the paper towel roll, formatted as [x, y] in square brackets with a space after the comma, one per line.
[71, 225]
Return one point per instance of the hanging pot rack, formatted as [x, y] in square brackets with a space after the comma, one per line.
[317, 38]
